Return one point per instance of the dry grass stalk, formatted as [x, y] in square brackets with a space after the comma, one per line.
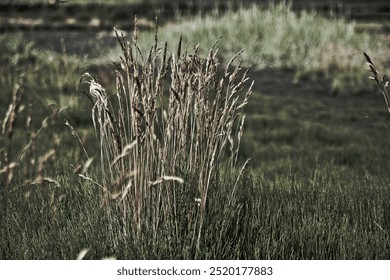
[8, 124]
[381, 82]
[21, 159]
[75, 134]
[45, 159]
[12, 157]
[173, 113]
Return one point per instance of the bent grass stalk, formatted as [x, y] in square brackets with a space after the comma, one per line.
[381, 82]
[174, 114]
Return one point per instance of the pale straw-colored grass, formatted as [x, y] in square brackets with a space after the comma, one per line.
[170, 124]
[382, 82]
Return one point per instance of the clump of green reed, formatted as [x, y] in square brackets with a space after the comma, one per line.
[277, 36]
[166, 130]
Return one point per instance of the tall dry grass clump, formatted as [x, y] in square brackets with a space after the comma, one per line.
[166, 131]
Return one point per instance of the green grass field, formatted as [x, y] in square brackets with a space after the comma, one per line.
[316, 185]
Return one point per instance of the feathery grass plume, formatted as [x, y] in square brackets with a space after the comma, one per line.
[381, 82]
[172, 120]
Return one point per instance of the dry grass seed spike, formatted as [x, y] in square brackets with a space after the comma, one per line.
[381, 82]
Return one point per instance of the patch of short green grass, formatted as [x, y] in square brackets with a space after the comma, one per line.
[327, 214]
[304, 130]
